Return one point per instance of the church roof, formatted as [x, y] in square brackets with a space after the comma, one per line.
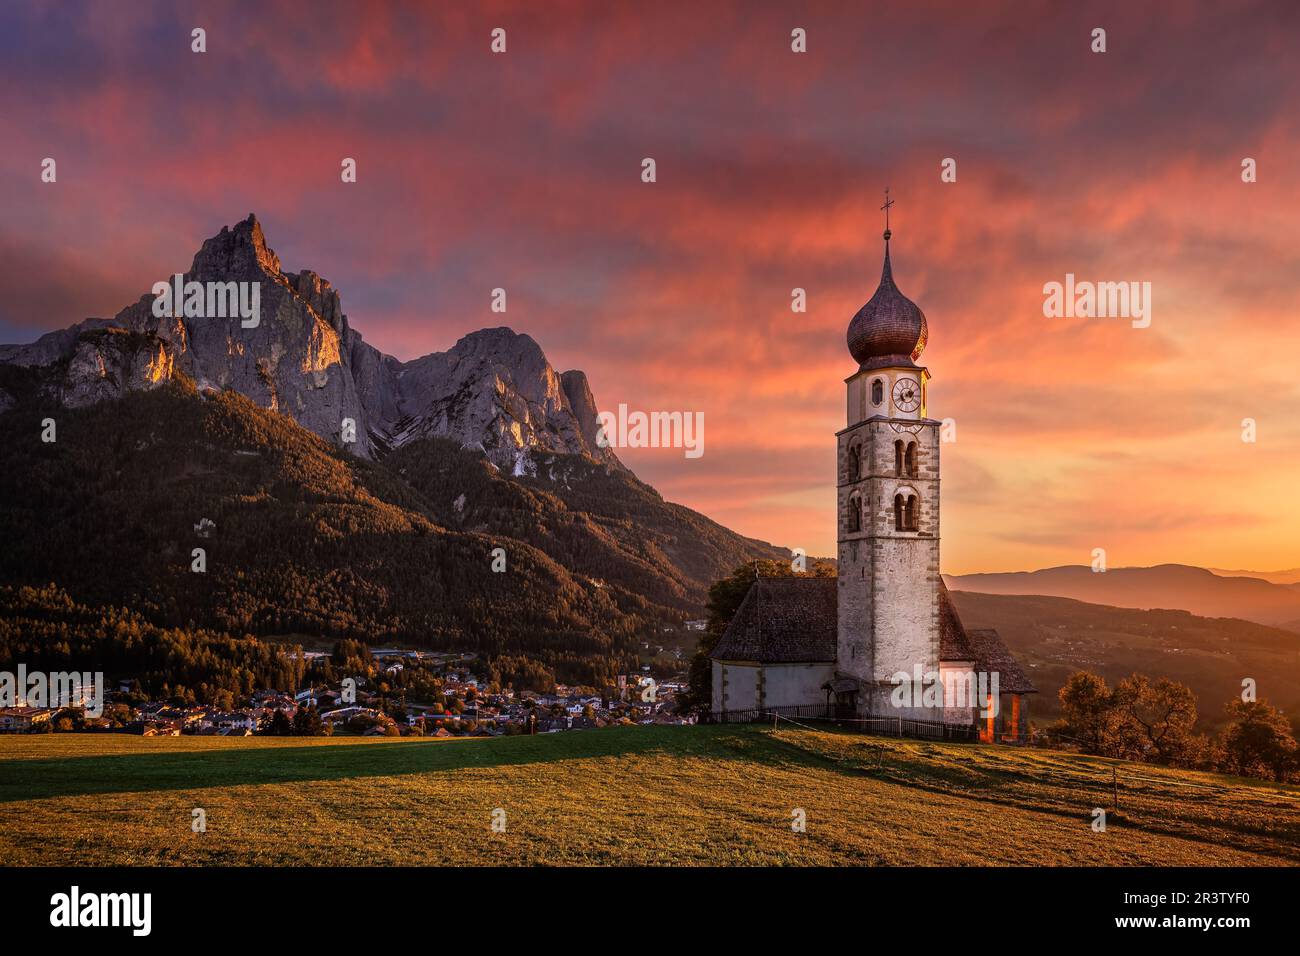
[795, 620]
[994, 657]
[783, 621]
[953, 642]
[983, 647]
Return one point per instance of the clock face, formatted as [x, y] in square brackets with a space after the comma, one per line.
[907, 394]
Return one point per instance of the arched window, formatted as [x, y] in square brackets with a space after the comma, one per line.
[906, 509]
[898, 457]
[911, 459]
[877, 392]
[855, 463]
[855, 513]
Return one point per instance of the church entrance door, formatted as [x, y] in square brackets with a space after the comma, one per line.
[846, 705]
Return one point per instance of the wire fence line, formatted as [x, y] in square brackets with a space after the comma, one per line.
[882, 726]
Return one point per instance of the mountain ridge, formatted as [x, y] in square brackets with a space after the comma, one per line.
[494, 389]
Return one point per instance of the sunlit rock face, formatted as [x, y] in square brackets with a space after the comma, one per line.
[103, 363]
[291, 361]
[493, 390]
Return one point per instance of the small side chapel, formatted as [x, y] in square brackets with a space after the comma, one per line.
[840, 643]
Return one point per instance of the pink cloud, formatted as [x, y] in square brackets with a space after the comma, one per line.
[523, 171]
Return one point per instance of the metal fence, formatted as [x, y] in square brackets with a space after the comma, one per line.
[905, 727]
[879, 726]
[806, 711]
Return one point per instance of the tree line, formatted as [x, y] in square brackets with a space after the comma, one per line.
[47, 630]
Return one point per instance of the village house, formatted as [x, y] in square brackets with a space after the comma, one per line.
[344, 714]
[22, 720]
[234, 720]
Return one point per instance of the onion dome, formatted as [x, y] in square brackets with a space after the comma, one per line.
[890, 329]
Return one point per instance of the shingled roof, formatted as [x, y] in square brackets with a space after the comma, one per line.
[783, 621]
[794, 620]
[953, 643]
[994, 657]
[982, 646]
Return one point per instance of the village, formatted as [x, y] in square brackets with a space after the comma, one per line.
[397, 693]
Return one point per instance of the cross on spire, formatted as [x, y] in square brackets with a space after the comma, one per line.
[888, 202]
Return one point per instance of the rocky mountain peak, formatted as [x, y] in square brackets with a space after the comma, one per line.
[236, 254]
[583, 403]
[493, 391]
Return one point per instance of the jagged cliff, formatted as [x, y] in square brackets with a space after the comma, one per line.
[494, 390]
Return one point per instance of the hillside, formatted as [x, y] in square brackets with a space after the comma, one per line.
[1053, 637]
[310, 540]
[596, 521]
[1178, 586]
[669, 796]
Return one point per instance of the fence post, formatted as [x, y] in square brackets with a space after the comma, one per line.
[1114, 782]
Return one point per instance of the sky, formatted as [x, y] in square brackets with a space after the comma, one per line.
[522, 171]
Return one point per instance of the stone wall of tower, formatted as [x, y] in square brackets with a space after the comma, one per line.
[905, 564]
[855, 607]
[888, 579]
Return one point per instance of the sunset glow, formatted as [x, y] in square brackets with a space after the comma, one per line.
[523, 172]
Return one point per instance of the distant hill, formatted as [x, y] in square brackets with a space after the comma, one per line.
[659, 796]
[1052, 637]
[1179, 586]
[1289, 577]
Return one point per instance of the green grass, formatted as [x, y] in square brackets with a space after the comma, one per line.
[636, 795]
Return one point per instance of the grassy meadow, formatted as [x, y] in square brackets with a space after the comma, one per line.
[635, 795]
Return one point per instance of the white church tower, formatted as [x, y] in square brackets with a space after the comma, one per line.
[888, 489]
[845, 647]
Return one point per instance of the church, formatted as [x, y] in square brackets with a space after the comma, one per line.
[882, 641]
